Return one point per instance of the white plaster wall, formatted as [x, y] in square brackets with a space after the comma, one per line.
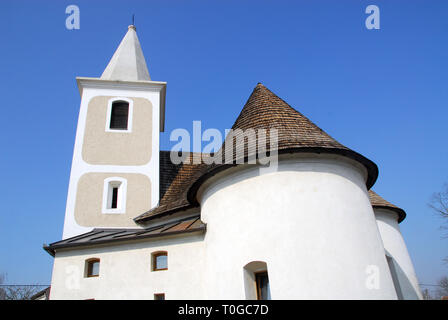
[125, 271]
[396, 248]
[80, 167]
[311, 222]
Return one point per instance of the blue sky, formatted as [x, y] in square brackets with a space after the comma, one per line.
[380, 92]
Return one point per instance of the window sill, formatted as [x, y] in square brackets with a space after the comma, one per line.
[119, 130]
[112, 211]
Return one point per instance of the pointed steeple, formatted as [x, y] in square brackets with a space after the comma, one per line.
[128, 62]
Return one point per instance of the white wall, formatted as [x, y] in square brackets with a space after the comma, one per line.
[311, 222]
[125, 271]
[80, 167]
[396, 248]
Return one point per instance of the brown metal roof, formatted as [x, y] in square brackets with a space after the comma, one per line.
[263, 110]
[381, 203]
[103, 235]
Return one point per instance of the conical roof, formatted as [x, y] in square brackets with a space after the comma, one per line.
[128, 62]
[380, 203]
[296, 133]
[263, 110]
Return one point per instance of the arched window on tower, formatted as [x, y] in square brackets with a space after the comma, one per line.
[119, 115]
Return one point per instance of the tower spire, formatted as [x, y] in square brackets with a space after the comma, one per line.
[128, 62]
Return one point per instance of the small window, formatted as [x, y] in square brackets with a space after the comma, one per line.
[159, 261]
[119, 115]
[159, 296]
[92, 268]
[114, 199]
[262, 282]
[114, 195]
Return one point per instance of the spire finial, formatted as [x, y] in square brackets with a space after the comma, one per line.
[132, 26]
[128, 62]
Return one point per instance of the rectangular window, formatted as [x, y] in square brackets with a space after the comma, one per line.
[119, 115]
[262, 282]
[114, 198]
[160, 261]
[114, 195]
[92, 268]
[159, 296]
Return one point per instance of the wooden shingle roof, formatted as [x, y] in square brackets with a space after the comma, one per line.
[263, 110]
[175, 183]
[380, 203]
[180, 182]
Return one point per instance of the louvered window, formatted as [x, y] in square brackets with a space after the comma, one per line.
[119, 115]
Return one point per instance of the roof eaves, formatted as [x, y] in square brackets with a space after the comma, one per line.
[400, 212]
[52, 248]
[150, 215]
[372, 169]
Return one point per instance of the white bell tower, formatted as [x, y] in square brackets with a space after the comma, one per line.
[115, 167]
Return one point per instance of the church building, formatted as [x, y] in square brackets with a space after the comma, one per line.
[139, 225]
